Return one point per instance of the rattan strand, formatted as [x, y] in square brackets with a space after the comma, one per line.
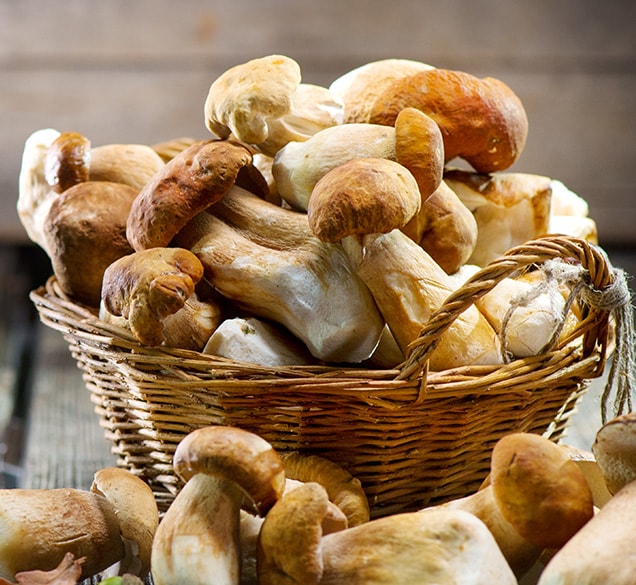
[412, 437]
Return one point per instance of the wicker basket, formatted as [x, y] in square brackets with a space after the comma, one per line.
[412, 437]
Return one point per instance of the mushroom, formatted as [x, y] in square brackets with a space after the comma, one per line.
[359, 87]
[615, 451]
[442, 546]
[266, 260]
[147, 287]
[256, 341]
[602, 551]
[243, 99]
[67, 161]
[137, 513]
[35, 194]
[197, 540]
[482, 120]
[84, 231]
[130, 164]
[193, 180]
[537, 498]
[39, 526]
[510, 208]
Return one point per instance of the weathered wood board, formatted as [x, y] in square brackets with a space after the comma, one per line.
[138, 71]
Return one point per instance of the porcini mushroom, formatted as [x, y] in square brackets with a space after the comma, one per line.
[67, 161]
[137, 513]
[602, 551]
[537, 498]
[39, 526]
[148, 286]
[482, 120]
[197, 540]
[438, 547]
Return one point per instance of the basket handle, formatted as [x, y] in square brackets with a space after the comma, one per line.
[599, 276]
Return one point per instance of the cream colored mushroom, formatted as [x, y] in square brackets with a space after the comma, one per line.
[438, 547]
[198, 539]
[537, 498]
[256, 341]
[241, 100]
[35, 194]
[137, 513]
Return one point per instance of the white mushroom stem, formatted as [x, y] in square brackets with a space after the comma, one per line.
[198, 539]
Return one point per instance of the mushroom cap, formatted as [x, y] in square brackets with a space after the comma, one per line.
[146, 287]
[539, 489]
[130, 164]
[359, 87]
[615, 451]
[298, 166]
[189, 183]
[419, 146]
[235, 455]
[136, 510]
[242, 99]
[362, 196]
[344, 490]
[84, 232]
[482, 120]
[67, 161]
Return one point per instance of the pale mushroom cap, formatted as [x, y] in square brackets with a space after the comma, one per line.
[298, 166]
[136, 510]
[237, 456]
[130, 164]
[363, 196]
[615, 451]
[241, 99]
[539, 489]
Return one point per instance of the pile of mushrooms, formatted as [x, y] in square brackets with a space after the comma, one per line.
[323, 225]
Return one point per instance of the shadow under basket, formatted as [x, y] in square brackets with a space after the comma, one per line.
[412, 437]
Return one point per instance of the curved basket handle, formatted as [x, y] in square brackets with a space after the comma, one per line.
[569, 249]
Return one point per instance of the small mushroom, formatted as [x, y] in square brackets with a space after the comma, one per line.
[198, 539]
[615, 451]
[148, 286]
[137, 513]
[67, 161]
[445, 546]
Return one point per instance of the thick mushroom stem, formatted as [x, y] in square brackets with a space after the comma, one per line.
[198, 540]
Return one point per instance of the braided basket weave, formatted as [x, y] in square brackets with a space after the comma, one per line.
[412, 437]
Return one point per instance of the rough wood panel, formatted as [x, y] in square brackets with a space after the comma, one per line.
[138, 72]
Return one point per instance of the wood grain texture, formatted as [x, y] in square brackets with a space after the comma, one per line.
[139, 71]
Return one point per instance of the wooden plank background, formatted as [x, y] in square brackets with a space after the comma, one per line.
[139, 70]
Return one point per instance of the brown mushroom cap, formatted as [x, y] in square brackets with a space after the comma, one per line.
[190, 182]
[615, 451]
[136, 509]
[84, 232]
[362, 196]
[539, 489]
[67, 161]
[146, 287]
[237, 456]
[482, 120]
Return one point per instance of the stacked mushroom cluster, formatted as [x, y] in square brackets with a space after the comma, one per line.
[316, 225]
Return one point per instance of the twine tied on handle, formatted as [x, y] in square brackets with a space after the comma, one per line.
[615, 298]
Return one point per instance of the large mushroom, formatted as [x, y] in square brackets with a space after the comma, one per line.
[446, 546]
[198, 539]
